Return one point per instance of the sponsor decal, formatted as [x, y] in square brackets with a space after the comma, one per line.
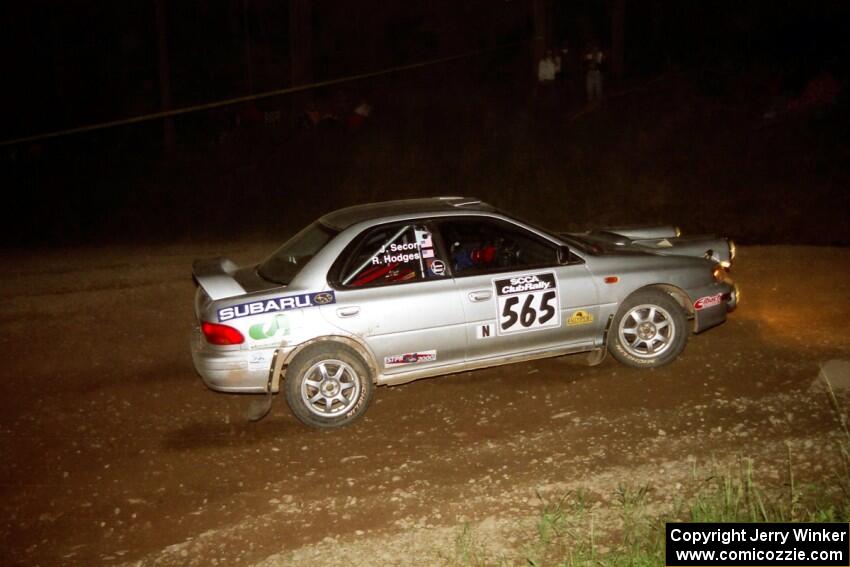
[708, 301]
[258, 360]
[276, 304]
[277, 324]
[323, 298]
[527, 302]
[410, 358]
[580, 317]
[438, 268]
[485, 331]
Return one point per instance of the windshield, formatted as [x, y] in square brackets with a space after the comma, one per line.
[285, 263]
[573, 240]
[581, 242]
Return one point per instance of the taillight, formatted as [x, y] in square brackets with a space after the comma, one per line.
[221, 334]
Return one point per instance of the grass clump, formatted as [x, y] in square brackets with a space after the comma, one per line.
[467, 549]
[566, 530]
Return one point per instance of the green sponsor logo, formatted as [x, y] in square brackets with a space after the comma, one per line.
[268, 329]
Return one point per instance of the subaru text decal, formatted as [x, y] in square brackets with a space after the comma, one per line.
[276, 304]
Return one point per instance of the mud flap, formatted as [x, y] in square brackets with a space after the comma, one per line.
[260, 408]
[597, 355]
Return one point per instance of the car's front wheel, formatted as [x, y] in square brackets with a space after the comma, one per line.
[649, 330]
[328, 385]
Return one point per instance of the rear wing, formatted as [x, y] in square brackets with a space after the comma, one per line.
[215, 275]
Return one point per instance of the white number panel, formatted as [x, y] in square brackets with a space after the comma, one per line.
[527, 302]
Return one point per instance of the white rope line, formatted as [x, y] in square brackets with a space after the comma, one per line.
[247, 98]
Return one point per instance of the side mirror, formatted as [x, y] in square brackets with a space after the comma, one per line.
[563, 254]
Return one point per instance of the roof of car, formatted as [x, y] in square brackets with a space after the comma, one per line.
[344, 218]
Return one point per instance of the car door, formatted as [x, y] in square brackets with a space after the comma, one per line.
[392, 289]
[516, 296]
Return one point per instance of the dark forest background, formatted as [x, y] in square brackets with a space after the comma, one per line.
[725, 117]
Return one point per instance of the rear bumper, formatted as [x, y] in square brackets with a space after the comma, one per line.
[712, 303]
[231, 370]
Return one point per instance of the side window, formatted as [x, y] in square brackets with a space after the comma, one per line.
[478, 246]
[392, 254]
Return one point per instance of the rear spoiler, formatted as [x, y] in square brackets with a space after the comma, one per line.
[215, 275]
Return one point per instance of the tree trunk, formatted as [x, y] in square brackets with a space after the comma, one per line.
[164, 73]
[618, 30]
[247, 59]
[300, 52]
[300, 41]
[538, 9]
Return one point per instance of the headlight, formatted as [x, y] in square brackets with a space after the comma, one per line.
[719, 273]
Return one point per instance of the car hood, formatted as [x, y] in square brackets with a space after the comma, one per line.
[630, 260]
[605, 242]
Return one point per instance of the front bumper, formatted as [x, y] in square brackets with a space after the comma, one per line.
[231, 369]
[715, 312]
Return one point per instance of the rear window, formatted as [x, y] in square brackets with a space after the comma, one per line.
[285, 263]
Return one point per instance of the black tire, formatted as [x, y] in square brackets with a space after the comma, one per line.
[321, 398]
[649, 330]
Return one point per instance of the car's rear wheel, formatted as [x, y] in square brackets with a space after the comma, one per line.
[649, 330]
[328, 385]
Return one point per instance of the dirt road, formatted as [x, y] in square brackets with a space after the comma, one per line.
[114, 452]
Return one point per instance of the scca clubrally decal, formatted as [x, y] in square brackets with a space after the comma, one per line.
[276, 304]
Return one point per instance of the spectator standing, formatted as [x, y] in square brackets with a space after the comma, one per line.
[563, 60]
[546, 69]
[546, 73]
[593, 60]
[359, 115]
[558, 62]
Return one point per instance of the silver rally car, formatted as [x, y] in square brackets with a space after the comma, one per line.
[386, 293]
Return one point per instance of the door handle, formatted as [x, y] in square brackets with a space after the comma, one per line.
[482, 295]
[348, 311]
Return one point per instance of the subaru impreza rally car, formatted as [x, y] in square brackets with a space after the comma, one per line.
[386, 293]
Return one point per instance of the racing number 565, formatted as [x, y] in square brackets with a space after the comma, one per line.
[528, 316]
